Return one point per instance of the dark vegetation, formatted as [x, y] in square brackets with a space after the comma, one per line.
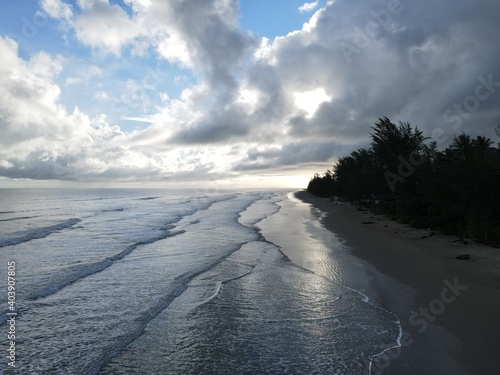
[404, 176]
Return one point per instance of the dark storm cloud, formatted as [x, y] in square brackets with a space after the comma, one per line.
[217, 129]
[291, 154]
[411, 61]
[38, 166]
[216, 44]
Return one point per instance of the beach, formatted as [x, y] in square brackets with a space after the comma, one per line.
[449, 308]
[237, 282]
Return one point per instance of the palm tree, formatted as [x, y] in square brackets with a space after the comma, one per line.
[481, 146]
[465, 148]
[462, 146]
[390, 142]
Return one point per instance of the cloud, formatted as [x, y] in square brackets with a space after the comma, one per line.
[199, 35]
[28, 97]
[57, 9]
[252, 104]
[309, 101]
[292, 154]
[406, 64]
[217, 128]
[105, 27]
[40, 139]
[308, 7]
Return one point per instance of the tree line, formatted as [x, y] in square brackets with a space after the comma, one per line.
[456, 190]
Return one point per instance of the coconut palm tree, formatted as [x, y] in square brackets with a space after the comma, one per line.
[390, 142]
[461, 146]
[481, 146]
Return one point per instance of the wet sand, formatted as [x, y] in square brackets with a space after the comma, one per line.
[449, 308]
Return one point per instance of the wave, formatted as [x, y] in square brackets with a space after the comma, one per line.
[75, 273]
[78, 272]
[259, 210]
[72, 274]
[36, 233]
[19, 218]
[180, 285]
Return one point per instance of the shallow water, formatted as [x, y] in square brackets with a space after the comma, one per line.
[164, 282]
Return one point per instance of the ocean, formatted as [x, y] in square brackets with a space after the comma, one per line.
[118, 281]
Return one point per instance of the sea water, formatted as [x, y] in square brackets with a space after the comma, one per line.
[117, 281]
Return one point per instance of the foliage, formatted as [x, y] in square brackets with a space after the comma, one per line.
[456, 190]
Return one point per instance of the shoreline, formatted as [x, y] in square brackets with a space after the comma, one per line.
[448, 308]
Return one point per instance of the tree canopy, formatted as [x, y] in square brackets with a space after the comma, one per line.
[456, 190]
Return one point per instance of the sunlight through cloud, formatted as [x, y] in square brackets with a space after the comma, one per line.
[309, 101]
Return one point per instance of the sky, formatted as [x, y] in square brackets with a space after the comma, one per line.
[227, 93]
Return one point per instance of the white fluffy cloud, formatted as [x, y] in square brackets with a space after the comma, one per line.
[41, 140]
[307, 7]
[57, 9]
[105, 27]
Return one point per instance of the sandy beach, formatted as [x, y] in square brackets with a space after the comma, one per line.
[449, 308]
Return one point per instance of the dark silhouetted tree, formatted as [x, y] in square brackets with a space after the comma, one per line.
[456, 190]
